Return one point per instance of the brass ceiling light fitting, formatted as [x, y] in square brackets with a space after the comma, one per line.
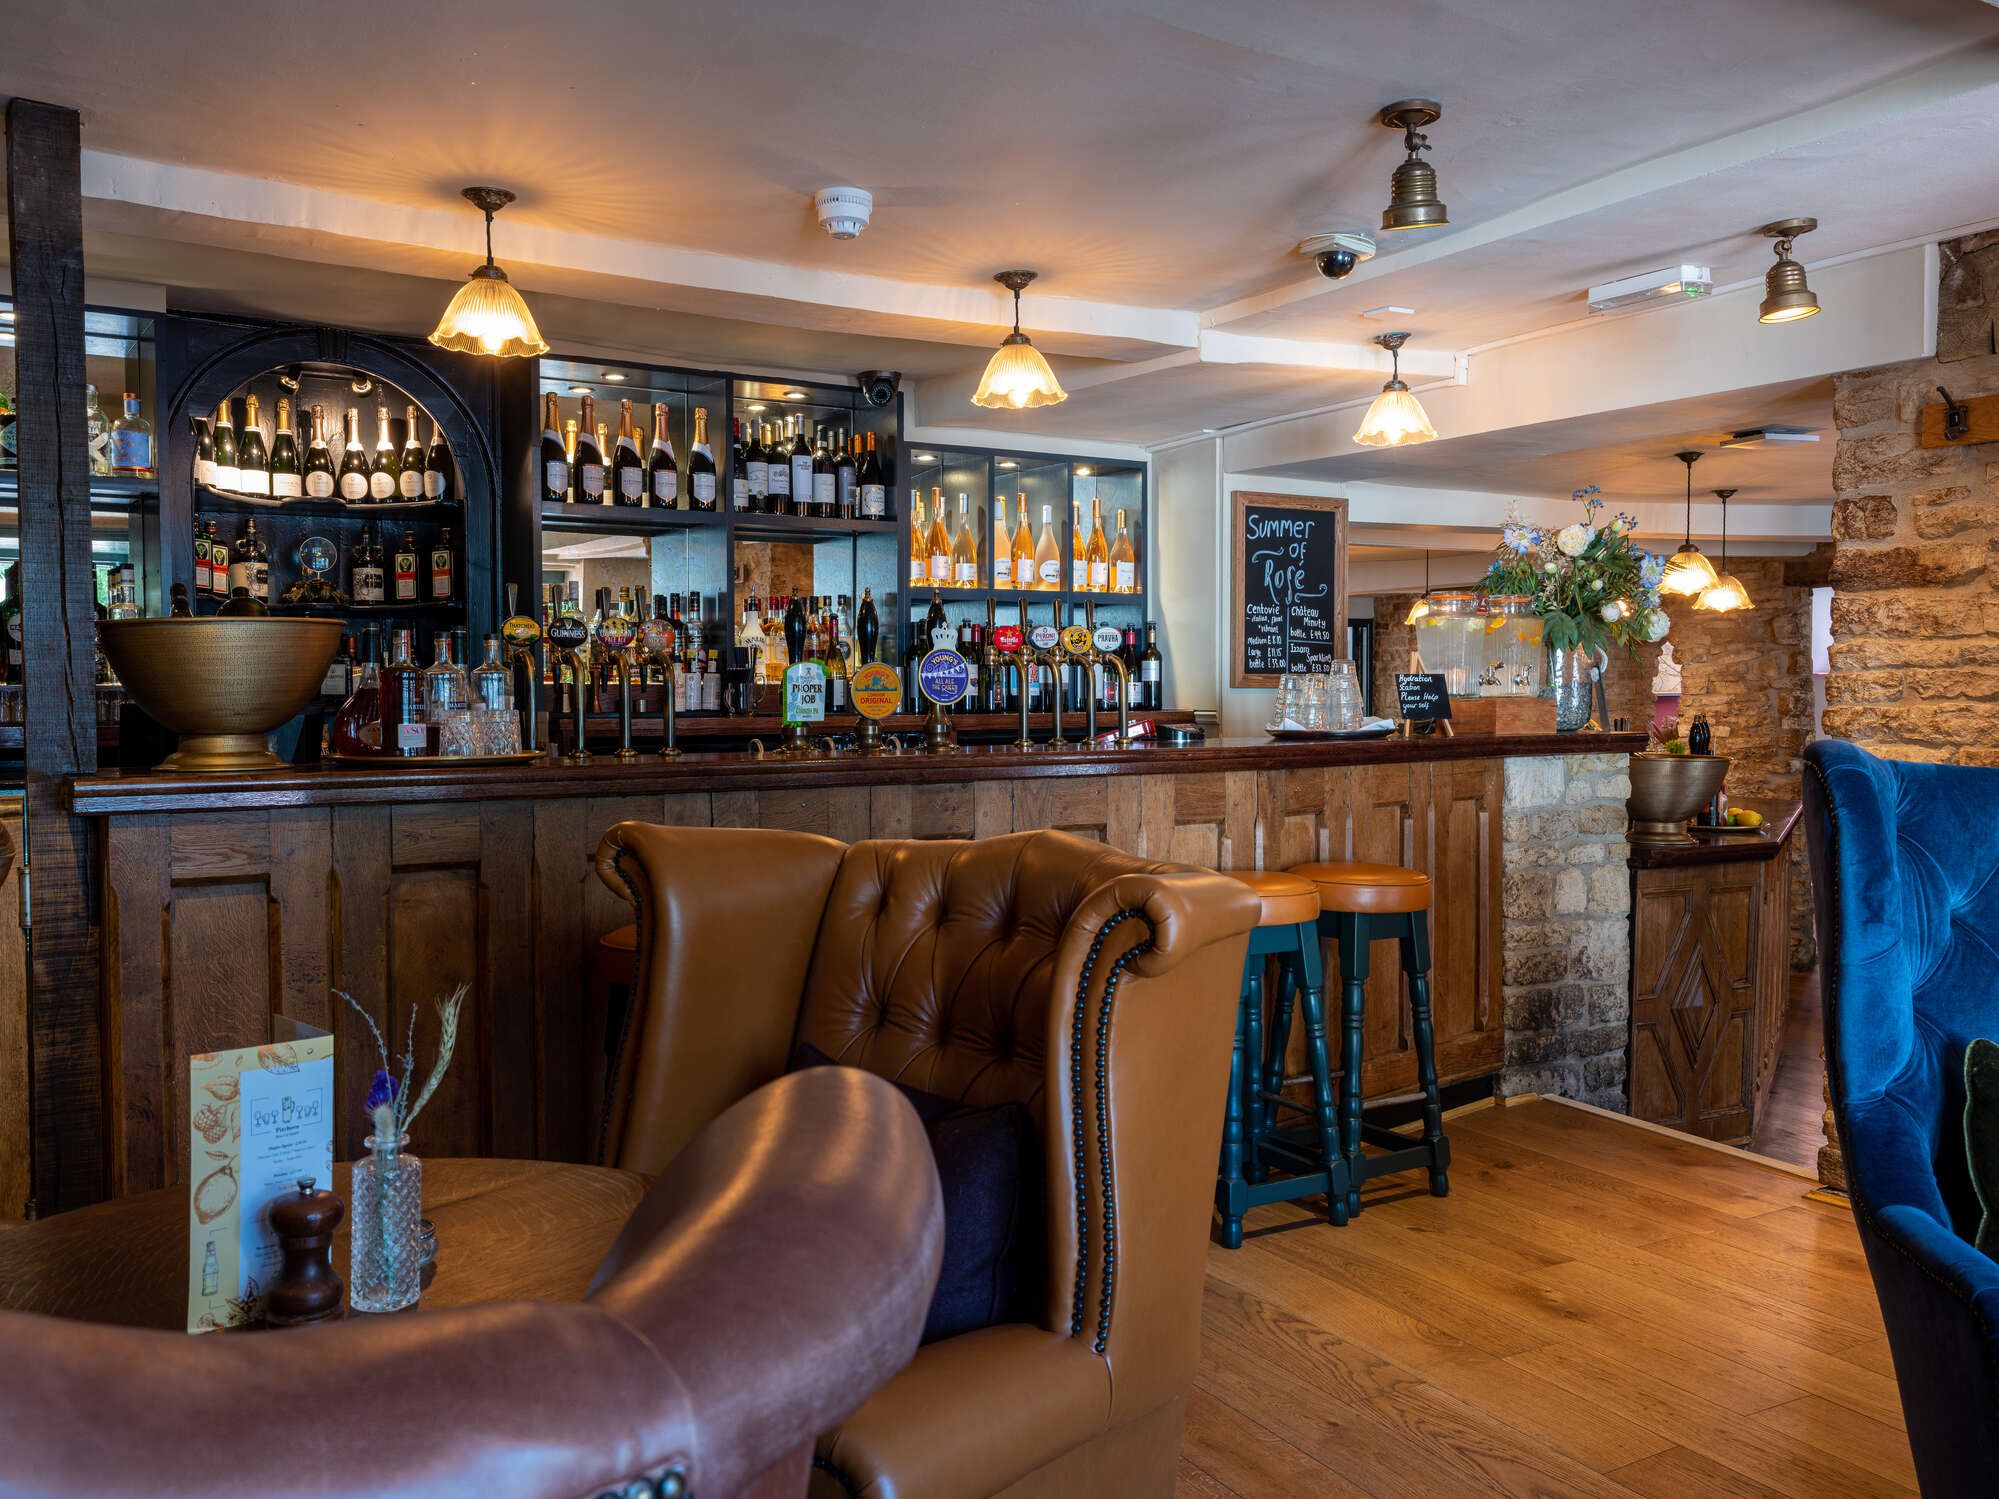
[1412, 193]
[1689, 572]
[1017, 377]
[1728, 594]
[1396, 418]
[487, 316]
[1786, 297]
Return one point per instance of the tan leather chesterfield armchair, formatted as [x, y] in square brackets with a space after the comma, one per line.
[723, 1331]
[1098, 989]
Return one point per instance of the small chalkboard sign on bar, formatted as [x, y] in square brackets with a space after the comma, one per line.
[1422, 697]
[1288, 586]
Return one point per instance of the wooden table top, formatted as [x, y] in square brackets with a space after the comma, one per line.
[506, 1231]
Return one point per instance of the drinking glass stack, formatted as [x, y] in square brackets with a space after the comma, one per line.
[1318, 702]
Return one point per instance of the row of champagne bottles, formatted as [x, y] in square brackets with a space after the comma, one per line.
[949, 557]
[376, 572]
[242, 461]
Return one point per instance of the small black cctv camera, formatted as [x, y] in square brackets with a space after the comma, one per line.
[878, 387]
[1337, 264]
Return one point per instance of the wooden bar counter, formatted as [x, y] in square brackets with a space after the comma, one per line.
[230, 899]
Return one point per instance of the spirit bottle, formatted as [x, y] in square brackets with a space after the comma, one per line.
[254, 465]
[365, 580]
[287, 473]
[405, 569]
[250, 564]
[132, 442]
[1097, 552]
[97, 432]
[836, 667]
[409, 468]
[443, 568]
[402, 725]
[357, 725]
[204, 574]
[1002, 546]
[1124, 561]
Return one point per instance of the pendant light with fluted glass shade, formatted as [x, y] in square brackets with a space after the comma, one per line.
[1689, 572]
[1421, 606]
[487, 316]
[1396, 417]
[1017, 377]
[1728, 594]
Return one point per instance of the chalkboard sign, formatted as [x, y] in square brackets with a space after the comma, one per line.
[1421, 695]
[1288, 588]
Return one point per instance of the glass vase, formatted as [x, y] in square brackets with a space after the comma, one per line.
[385, 1263]
[1572, 678]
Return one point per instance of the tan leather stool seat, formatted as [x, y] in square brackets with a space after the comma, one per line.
[624, 939]
[1287, 898]
[1371, 889]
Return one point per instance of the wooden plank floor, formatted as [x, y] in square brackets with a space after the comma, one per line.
[1595, 1311]
[1791, 1123]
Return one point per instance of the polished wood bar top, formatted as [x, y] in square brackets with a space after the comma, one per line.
[506, 1231]
[1780, 820]
[127, 792]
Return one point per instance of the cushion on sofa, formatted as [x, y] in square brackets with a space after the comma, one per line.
[1981, 1136]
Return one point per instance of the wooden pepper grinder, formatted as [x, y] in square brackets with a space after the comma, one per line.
[307, 1288]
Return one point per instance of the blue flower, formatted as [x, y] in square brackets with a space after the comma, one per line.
[1651, 569]
[382, 1090]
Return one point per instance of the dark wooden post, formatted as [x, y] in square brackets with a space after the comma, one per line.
[58, 650]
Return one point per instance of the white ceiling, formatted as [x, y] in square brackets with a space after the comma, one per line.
[1155, 159]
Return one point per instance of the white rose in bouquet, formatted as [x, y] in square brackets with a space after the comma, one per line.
[1574, 539]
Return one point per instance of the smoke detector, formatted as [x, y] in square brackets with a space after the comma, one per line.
[843, 211]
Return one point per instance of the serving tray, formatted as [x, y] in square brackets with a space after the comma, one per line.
[429, 762]
[1371, 731]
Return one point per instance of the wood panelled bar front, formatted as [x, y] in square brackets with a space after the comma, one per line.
[233, 899]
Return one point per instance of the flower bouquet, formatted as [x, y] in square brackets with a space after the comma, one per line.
[1593, 588]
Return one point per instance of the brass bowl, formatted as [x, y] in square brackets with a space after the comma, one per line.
[221, 684]
[1666, 790]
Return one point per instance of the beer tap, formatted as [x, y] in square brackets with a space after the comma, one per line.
[1082, 645]
[1042, 648]
[522, 634]
[656, 643]
[615, 635]
[570, 638]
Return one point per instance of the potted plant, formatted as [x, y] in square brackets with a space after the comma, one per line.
[1593, 588]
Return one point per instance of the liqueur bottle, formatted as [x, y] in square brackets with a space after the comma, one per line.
[405, 569]
[801, 469]
[402, 725]
[409, 467]
[1002, 545]
[1048, 554]
[218, 562]
[253, 462]
[628, 469]
[662, 469]
[250, 565]
[443, 569]
[132, 442]
[554, 456]
[338, 683]
[439, 472]
[318, 479]
[1124, 560]
[365, 579]
[204, 571]
[287, 472]
[353, 461]
[873, 483]
[777, 467]
[382, 472]
[701, 464]
[204, 450]
[225, 474]
[492, 683]
[357, 723]
[589, 460]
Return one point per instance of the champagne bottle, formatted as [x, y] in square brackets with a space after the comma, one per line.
[965, 547]
[1002, 552]
[253, 463]
[663, 470]
[554, 456]
[1124, 560]
[701, 464]
[382, 470]
[801, 469]
[940, 542]
[409, 467]
[1048, 554]
[589, 459]
[628, 470]
[874, 486]
[778, 472]
[318, 480]
[204, 451]
[756, 470]
[287, 473]
[353, 461]
[438, 469]
[226, 475]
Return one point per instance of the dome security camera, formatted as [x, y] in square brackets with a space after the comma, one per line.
[1337, 254]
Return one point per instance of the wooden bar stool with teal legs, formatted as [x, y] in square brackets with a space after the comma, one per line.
[1288, 931]
[1359, 905]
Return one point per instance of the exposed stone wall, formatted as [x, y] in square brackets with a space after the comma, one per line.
[1915, 621]
[1566, 904]
[1392, 641]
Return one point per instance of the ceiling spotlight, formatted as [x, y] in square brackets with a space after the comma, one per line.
[616, 377]
[1676, 283]
[1412, 194]
[486, 315]
[1689, 572]
[1017, 376]
[756, 406]
[579, 390]
[1008, 463]
[794, 395]
[926, 457]
[1083, 471]
[1396, 418]
[1786, 298]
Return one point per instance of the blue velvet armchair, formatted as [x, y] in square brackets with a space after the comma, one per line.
[1905, 875]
